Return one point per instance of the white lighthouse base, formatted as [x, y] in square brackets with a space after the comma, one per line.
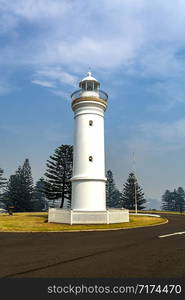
[69, 216]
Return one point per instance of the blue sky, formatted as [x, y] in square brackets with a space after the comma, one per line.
[135, 48]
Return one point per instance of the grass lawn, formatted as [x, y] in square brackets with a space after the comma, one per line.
[35, 222]
[159, 212]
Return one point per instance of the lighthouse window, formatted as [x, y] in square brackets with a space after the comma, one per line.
[90, 123]
[83, 85]
[95, 86]
[89, 86]
[90, 158]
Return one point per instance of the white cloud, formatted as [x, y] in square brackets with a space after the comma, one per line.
[136, 37]
[126, 33]
[54, 78]
[35, 9]
[57, 74]
[43, 83]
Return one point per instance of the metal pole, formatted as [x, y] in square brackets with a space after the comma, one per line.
[135, 197]
[135, 194]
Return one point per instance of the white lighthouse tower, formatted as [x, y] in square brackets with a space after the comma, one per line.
[88, 181]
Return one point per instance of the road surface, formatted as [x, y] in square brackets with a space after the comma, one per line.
[138, 253]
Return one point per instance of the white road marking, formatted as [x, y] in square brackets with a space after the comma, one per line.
[170, 234]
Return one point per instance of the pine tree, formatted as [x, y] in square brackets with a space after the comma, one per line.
[59, 173]
[130, 188]
[175, 197]
[19, 189]
[116, 200]
[113, 196]
[167, 201]
[110, 188]
[12, 192]
[38, 197]
[2, 180]
[174, 201]
[2, 184]
[180, 199]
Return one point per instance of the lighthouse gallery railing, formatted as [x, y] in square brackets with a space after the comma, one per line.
[100, 94]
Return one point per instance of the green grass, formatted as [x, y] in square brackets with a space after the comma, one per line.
[37, 222]
[158, 212]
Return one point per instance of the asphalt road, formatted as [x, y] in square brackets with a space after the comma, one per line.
[128, 253]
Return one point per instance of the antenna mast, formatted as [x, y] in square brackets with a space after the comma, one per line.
[134, 171]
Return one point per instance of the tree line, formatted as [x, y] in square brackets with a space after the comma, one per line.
[174, 201]
[20, 192]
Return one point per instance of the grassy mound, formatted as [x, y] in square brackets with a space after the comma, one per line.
[37, 222]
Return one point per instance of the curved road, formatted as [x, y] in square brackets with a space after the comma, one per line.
[123, 253]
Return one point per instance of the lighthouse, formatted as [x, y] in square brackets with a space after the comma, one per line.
[88, 203]
[88, 181]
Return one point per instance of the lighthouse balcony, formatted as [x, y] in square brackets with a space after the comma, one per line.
[89, 93]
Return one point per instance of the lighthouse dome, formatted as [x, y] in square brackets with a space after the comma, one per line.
[89, 83]
[89, 77]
